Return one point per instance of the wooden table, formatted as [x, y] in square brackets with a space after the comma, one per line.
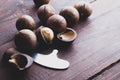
[95, 54]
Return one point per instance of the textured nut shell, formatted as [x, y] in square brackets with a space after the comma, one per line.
[25, 40]
[44, 12]
[40, 2]
[48, 35]
[57, 23]
[42, 37]
[84, 9]
[70, 14]
[25, 22]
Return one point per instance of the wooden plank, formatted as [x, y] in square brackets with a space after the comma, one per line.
[7, 32]
[8, 17]
[5, 71]
[111, 73]
[96, 47]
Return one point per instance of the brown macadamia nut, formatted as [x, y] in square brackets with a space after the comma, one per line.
[57, 23]
[84, 9]
[70, 14]
[25, 22]
[39, 3]
[44, 12]
[25, 40]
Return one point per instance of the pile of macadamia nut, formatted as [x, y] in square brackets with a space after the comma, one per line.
[54, 27]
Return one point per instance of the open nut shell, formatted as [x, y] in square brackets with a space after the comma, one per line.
[67, 36]
[8, 53]
[21, 61]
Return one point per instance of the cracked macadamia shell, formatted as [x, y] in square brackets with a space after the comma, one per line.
[8, 53]
[21, 61]
[70, 14]
[57, 23]
[67, 36]
[25, 40]
[44, 35]
[44, 12]
[25, 22]
[84, 9]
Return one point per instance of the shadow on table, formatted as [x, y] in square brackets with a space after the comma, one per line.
[8, 72]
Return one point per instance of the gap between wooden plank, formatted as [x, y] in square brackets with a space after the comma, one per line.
[103, 70]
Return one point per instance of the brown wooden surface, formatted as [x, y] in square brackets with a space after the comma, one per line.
[112, 73]
[94, 54]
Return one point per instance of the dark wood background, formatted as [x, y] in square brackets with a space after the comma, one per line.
[95, 54]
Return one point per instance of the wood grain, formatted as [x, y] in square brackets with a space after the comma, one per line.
[97, 45]
[112, 73]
